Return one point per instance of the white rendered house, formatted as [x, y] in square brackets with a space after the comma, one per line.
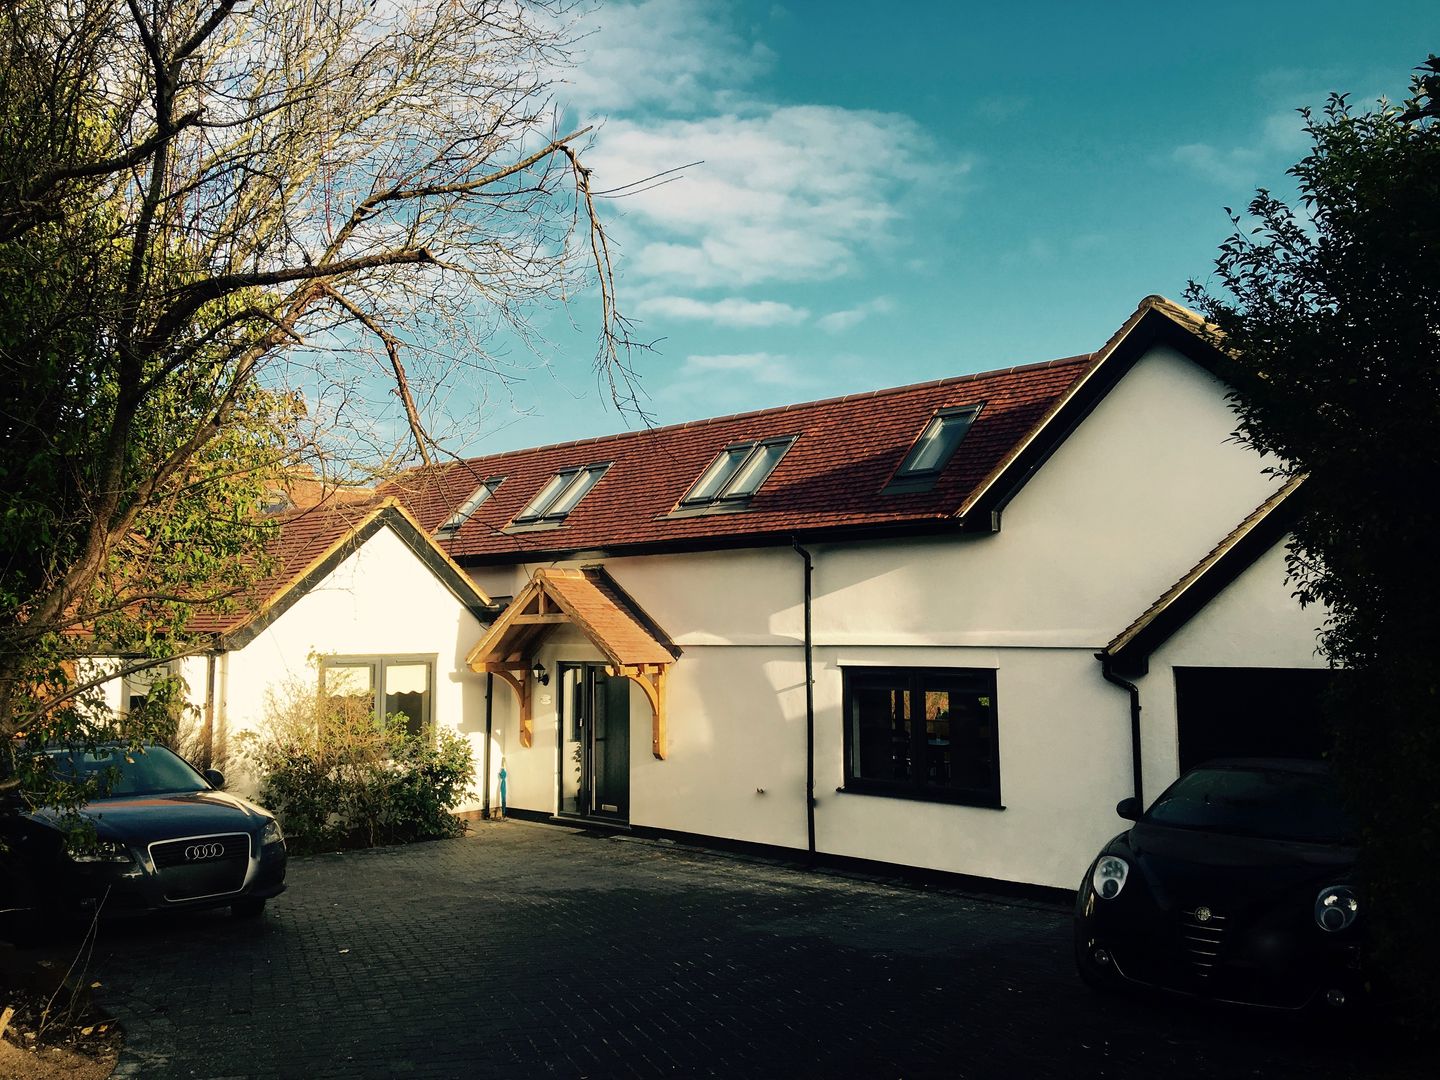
[945, 626]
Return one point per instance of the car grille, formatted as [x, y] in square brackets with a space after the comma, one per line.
[1201, 940]
[202, 865]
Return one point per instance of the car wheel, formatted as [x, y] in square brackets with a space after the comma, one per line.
[249, 908]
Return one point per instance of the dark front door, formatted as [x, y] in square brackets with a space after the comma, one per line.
[594, 742]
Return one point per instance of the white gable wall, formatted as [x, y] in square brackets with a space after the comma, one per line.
[380, 601]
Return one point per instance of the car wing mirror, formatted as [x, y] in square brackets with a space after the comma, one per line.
[215, 778]
[1129, 809]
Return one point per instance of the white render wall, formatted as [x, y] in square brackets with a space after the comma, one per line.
[380, 601]
[1135, 497]
[1253, 623]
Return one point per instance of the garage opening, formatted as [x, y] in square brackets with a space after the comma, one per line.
[1251, 712]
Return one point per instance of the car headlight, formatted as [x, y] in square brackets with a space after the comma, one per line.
[272, 834]
[1109, 876]
[97, 850]
[1336, 908]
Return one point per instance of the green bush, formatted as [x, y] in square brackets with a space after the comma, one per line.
[337, 779]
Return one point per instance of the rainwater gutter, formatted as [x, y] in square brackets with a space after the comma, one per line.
[809, 701]
[1134, 692]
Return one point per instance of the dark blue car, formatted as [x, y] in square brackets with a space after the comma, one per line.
[165, 838]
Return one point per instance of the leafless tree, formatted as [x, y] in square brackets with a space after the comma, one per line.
[345, 198]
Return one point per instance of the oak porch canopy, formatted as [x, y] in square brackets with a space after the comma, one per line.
[591, 601]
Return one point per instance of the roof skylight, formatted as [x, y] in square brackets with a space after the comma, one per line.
[560, 494]
[738, 471]
[451, 525]
[934, 448]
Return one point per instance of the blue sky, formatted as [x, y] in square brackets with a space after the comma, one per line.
[895, 193]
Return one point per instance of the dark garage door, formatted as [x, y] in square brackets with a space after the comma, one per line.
[1250, 712]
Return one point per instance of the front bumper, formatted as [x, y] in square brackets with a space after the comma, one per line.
[147, 885]
[1268, 959]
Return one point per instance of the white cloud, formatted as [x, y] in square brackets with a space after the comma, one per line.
[760, 367]
[730, 311]
[1281, 136]
[792, 193]
[839, 321]
[671, 55]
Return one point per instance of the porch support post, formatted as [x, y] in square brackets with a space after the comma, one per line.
[520, 683]
[651, 679]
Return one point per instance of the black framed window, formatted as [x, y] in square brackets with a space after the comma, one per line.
[561, 493]
[477, 499]
[933, 450]
[737, 472]
[922, 733]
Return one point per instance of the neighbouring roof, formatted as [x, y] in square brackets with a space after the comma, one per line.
[831, 482]
[309, 544]
[1129, 653]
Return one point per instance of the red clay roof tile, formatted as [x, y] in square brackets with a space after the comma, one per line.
[833, 476]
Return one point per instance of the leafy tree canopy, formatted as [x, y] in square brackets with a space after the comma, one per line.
[1331, 310]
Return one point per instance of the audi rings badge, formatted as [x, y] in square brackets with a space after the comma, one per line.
[197, 852]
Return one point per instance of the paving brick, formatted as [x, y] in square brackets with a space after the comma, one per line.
[525, 950]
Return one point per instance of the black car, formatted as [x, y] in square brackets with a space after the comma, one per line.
[1236, 886]
[165, 837]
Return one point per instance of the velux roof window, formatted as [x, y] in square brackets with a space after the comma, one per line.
[451, 525]
[560, 494]
[934, 449]
[737, 473]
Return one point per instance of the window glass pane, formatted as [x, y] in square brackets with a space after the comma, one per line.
[881, 732]
[547, 494]
[407, 694]
[476, 500]
[582, 482]
[762, 462]
[713, 479]
[938, 443]
[959, 737]
[349, 688]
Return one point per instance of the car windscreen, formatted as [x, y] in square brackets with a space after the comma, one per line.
[121, 772]
[1274, 803]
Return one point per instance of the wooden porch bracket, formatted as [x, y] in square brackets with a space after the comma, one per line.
[651, 679]
[518, 678]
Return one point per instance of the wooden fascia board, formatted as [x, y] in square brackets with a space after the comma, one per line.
[503, 625]
[300, 585]
[388, 514]
[1150, 326]
[446, 569]
[1129, 654]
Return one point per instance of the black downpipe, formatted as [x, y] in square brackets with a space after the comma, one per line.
[209, 749]
[809, 703]
[1134, 692]
[489, 697]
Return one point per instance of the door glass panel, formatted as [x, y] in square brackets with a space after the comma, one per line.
[572, 739]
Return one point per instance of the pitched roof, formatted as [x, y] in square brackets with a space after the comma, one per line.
[831, 482]
[307, 546]
[1129, 653]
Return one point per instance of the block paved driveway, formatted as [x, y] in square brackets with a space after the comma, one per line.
[529, 950]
